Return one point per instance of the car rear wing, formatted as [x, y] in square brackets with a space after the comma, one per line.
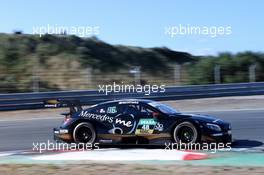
[74, 105]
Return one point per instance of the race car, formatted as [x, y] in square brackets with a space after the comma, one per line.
[137, 121]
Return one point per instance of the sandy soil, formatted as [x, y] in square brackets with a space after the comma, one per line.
[125, 169]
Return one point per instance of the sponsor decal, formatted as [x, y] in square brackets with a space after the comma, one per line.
[99, 117]
[123, 122]
[116, 130]
[63, 131]
[105, 141]
[50, 105]
[126, 122]
[128, 102]
[159, 127]
[102, 111]
[145, 126]
[111, 110]
[147, 122]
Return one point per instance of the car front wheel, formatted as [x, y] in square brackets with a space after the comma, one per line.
[185, 132]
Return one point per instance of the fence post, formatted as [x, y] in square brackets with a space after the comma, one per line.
[35, 76]
[89, 77]
[177, 74]
[217, 74]
[136, 71]
[252, 73]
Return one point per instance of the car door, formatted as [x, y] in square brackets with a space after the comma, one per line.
[148, 122]
[122, 117]
[126, 118]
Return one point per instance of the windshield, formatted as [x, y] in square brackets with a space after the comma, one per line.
[163, 108]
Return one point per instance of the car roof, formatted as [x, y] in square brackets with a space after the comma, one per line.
[127, 101]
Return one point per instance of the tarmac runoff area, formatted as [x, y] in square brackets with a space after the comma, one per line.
[238, 157]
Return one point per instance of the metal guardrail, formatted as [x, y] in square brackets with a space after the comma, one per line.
[16, 101]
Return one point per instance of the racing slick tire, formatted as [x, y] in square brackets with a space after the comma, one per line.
[84, 133]
[185, 132]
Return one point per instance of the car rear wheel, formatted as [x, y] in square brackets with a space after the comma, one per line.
[185, 132]
[84, 133]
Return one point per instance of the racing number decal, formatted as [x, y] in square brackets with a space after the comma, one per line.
[145, 126]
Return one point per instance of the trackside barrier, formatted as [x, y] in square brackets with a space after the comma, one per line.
[16, 101]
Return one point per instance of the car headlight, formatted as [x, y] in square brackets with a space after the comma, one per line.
[213, 127]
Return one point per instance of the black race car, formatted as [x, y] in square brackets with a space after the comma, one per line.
[135, 121]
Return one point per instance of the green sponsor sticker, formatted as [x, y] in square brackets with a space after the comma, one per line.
[147, 122]
[111, 110]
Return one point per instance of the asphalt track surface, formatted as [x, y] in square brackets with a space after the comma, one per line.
[247, 129]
